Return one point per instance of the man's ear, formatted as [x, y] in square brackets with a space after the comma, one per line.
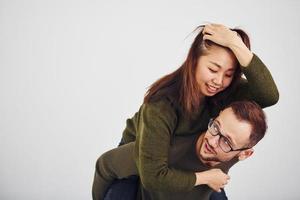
[245, 154]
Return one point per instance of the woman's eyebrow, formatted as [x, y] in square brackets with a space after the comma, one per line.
[216, 64]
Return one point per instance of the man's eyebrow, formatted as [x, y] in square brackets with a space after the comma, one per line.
[226, 136]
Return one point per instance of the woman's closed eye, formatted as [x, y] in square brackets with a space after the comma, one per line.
[229, 75]
[212, 70]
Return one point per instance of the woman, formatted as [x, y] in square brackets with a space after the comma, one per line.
[181, 103]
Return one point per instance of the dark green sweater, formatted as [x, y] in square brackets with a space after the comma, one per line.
[155, 123]
[182, 155]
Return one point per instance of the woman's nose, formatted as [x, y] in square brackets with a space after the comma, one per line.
[218, 80]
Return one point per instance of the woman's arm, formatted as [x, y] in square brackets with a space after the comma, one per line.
[156, 124]
[259, 85]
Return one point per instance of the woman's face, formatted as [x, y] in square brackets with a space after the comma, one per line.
[215, 70]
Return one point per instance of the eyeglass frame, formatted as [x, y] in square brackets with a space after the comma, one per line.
[211, 121]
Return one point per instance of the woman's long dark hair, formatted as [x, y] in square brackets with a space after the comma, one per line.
[182, 83]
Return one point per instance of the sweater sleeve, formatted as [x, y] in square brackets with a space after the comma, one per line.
[259, 85]
[156, 125]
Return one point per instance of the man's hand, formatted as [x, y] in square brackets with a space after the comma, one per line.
[214, 178]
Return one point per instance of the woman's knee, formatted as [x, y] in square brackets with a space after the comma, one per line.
[117, 163]
[103, 164]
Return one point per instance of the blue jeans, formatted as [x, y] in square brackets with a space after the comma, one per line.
[126, 189]
[123, 189]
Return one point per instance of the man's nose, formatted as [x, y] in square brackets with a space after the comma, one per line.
[214, 141]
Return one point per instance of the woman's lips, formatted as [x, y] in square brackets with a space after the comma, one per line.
[211, 89]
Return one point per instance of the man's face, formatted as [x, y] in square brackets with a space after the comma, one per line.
[237, 134]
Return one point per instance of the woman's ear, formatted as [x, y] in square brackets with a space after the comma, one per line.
[245, 154]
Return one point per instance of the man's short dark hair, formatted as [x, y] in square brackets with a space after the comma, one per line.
[252, 113]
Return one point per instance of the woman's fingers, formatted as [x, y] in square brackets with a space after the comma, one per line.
[207, 37]
[208, 30]
[219, 34]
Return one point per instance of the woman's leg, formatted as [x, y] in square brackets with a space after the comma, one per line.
[123, 189]
[114, 164]
[218, 195]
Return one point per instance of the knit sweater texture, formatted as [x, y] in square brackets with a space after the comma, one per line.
[156, 123]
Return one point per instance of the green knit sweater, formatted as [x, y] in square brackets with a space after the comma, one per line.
[182, 155]
[153, 126]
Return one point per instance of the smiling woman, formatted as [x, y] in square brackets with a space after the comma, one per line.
[215, 69]
[181, 104]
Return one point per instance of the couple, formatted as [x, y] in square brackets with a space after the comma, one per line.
[178, 107]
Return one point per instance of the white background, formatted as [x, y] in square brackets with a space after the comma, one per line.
[72, 72]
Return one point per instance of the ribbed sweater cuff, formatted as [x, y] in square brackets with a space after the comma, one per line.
[189, 181]
[253, 66]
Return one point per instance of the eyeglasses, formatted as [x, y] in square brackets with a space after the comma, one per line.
[223, 142]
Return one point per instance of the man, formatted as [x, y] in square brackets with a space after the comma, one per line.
[228, 139]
